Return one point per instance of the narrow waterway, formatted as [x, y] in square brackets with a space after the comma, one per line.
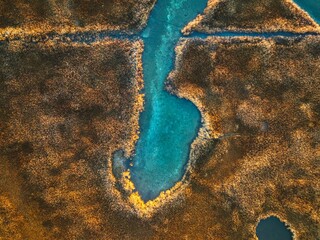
[168, 124]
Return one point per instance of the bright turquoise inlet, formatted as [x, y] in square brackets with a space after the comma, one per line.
[168, 124]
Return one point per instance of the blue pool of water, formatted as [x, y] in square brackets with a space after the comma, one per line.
[168, 124]
[272, 228]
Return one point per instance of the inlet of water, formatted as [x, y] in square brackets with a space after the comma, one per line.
[168, 124]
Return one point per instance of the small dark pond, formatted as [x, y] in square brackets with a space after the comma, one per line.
[272, 228]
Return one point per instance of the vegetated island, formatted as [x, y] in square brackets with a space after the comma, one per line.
[252, 16]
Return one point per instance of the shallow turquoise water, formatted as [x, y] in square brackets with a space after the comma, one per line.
[272, 228]
[168, 124]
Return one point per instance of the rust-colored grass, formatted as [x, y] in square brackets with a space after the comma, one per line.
[22, 17]
[65, 108]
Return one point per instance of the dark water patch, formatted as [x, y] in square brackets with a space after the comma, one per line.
[272, 228]
[120, 164]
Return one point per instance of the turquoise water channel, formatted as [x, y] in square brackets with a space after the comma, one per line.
[168, 124]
